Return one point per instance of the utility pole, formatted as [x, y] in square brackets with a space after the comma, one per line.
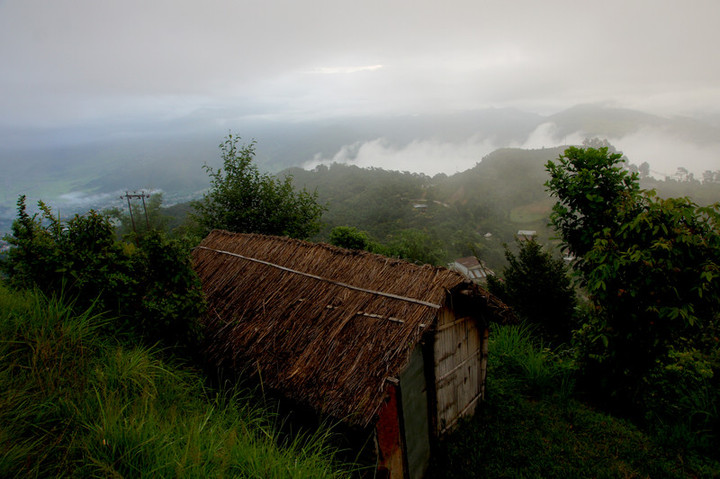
[142, 195]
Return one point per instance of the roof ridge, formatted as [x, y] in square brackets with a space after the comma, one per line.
[327, 280]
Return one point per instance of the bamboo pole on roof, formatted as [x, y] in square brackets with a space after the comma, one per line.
[320, 278]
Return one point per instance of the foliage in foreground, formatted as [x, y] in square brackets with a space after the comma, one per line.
[531, 426]
[150, 287]
[651, 268]
[74, 403]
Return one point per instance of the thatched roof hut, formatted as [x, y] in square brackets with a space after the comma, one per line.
[335, 328]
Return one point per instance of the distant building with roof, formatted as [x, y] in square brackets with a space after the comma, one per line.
[526, 234]
[471, 268]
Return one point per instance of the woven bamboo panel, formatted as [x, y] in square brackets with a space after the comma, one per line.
[458, 359]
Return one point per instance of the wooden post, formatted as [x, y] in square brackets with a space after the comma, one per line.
[132, 218]
[484, 360]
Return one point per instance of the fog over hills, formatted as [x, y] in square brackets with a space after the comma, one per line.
[72, 171]
[99, 97]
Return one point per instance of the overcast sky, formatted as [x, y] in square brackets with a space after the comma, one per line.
[75, 62]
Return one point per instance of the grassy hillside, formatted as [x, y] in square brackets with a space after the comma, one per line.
[77, 402]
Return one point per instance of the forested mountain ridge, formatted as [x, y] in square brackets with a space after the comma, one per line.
[473, 212]
[502, 194]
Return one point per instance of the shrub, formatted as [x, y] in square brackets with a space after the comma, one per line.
[539, 289]
[349, 237]
[682, 398]
[151, 287]
[243, 200]
[650, 267]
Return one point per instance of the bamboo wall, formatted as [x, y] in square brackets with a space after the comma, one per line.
[458, 367]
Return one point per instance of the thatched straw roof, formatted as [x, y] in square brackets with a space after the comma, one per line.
[323, 325]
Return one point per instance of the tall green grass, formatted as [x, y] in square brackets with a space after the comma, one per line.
[76, 403]
[526, 365]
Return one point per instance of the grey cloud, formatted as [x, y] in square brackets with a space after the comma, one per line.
[137, 58]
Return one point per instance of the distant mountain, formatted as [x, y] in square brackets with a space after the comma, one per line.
[614, 123]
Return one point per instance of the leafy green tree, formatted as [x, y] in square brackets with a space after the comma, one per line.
[539, 289]
[243, 200]
[650, 266]
[655, 283]
[592, 189]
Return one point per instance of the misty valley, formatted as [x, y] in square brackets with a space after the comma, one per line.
[444, 152]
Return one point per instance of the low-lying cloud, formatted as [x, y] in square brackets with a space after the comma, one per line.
[419, 156]
[663, 151]
[81, 200]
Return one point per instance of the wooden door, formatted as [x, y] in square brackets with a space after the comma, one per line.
[458, 372]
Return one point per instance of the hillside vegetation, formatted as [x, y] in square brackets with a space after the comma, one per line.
[101, 370]
[470, 213]
[78, 403]
[500, 195]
